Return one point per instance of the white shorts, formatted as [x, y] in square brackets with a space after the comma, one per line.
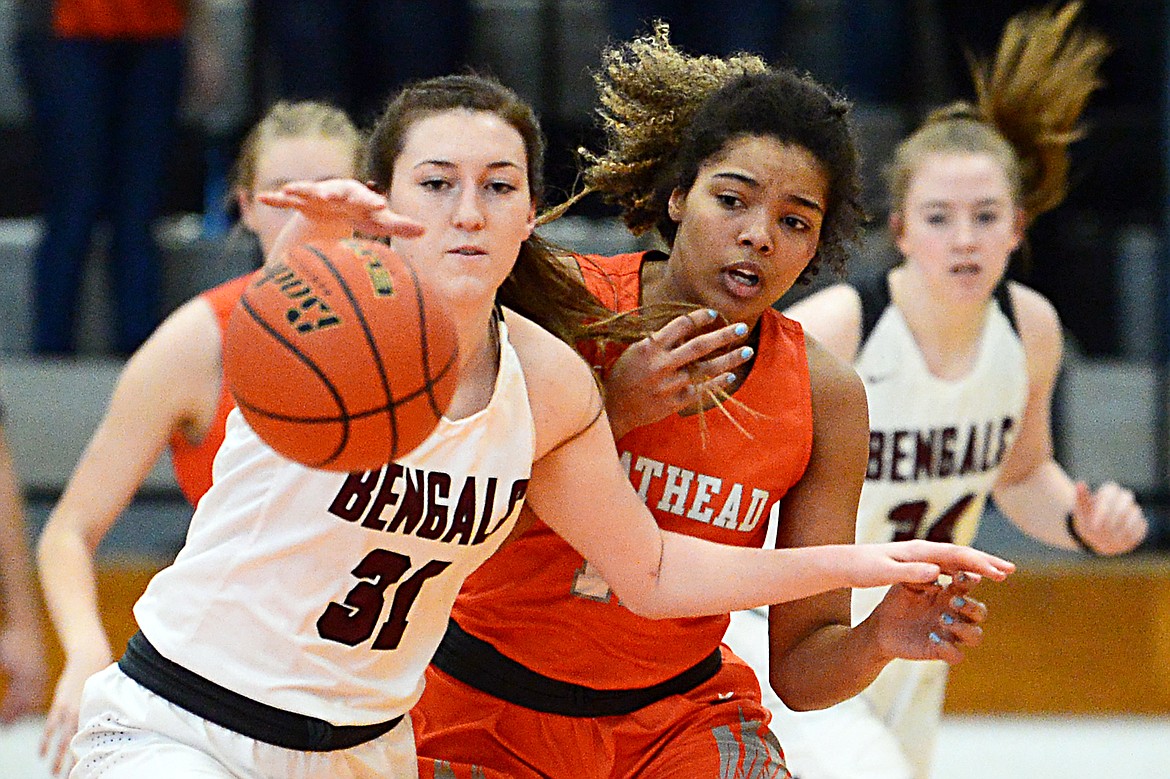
[128, 732]
[886, 732]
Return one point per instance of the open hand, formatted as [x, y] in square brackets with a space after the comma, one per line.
[672, 368]
[345, 200]
[929, 621]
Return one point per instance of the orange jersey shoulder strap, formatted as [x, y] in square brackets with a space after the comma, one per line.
[192, 461]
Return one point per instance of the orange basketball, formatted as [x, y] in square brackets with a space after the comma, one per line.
[340, 357]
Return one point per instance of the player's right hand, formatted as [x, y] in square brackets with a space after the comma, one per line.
[343, 199]
[671, 369]
[61, 724]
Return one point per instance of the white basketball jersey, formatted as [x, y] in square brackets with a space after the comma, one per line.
[326, 594]
[936, 446]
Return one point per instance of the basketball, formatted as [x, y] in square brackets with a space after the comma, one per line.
[340, 357]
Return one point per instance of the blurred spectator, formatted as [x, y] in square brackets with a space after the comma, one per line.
[355, 53]
[103, 78]
[22, 653]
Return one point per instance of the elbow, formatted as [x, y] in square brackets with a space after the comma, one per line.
[643, 604]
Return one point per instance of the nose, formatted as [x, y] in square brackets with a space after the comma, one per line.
[468, 210]
[757, 236]
[965, 232]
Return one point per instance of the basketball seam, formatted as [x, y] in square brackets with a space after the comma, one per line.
[344, 417]
[370, 342]
[424, 343]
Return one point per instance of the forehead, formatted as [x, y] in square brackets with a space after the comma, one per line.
[784, 168]
[289, 158]
[951, 176]
[463, 137]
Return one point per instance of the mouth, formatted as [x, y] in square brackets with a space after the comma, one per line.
[965, 269]
[468, 251]
[743, 279]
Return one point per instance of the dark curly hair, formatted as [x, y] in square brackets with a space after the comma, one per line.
[665, 113]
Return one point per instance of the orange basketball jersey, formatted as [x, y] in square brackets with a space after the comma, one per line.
[542, 605]
[192, 462]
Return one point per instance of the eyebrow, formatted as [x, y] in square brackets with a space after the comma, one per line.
[491, 165]
[987, 201]
[808, 202]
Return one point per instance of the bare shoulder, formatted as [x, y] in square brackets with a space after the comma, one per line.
[833, 316]
[836, 387]
[561, 387]
[1039, 327]
[189, 339]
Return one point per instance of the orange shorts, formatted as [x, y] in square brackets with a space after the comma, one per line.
[718, 730]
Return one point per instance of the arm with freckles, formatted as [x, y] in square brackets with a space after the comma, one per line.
[816, 659]
[1033, 490]
[580, 490]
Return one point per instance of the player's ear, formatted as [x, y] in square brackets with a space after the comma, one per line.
[897, 225]
[247, 206]
[1020, 227]
[676, 206]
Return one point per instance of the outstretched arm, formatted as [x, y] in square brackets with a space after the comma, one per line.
[580, 490]
[1033, 490]
[332, 210]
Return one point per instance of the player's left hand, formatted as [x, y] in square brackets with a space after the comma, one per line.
[930, 621]
[1109, 520]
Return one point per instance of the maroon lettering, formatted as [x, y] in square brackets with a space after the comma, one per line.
[463, 520]
[898, 454]
[946, 455]
[353, 497]
[438, 490]
[489, 502]
[386, 497]
[410, 507]
[924, 455]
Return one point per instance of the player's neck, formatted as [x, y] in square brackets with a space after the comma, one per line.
[479, 360]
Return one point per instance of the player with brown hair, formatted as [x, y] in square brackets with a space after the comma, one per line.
[169, 394]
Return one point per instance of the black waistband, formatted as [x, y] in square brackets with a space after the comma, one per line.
[236, 712]
[477, 663]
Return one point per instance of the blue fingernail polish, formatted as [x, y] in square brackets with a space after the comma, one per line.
[730, 378]
[712, 313]
[958, 603]
[746, 352]
[947, 619]
[935, 639]
[741, 329]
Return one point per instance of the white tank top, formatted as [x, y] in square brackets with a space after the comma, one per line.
[936, 446]
[326, 594]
